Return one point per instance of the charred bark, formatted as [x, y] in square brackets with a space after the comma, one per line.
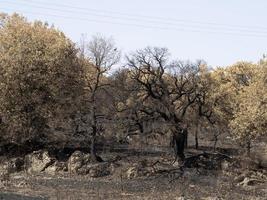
[93, 145]
[196, 136]
[93, 150]
[179, 142]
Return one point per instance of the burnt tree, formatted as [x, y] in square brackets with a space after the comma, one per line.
[98, 57]
[165, 90]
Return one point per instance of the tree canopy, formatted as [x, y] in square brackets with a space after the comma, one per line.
[50, 88]
[41, 80]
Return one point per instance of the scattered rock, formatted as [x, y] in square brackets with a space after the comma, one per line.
[132, 172]
[57, 167]
[81, 164]
[38, 161]
[77, 160]
[251, 178]
[139, 170]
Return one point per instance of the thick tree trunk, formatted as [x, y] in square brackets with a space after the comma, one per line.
[196, 135]
[179, 138]
[142, 136]
[196, 139]
[186, 138]
[93, 153]
[93, 145]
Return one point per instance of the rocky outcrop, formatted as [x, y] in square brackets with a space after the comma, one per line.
[38, 161]
[81, 163]
[77, 161]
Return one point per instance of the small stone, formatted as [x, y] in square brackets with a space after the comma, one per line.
[132, 172]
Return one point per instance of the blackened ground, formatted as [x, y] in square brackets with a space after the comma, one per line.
[194, 182]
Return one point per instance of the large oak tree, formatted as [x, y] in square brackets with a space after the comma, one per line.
[40, 82]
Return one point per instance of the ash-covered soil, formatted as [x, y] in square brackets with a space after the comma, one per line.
[146, 176]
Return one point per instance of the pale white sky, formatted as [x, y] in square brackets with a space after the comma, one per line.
[219, 31]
